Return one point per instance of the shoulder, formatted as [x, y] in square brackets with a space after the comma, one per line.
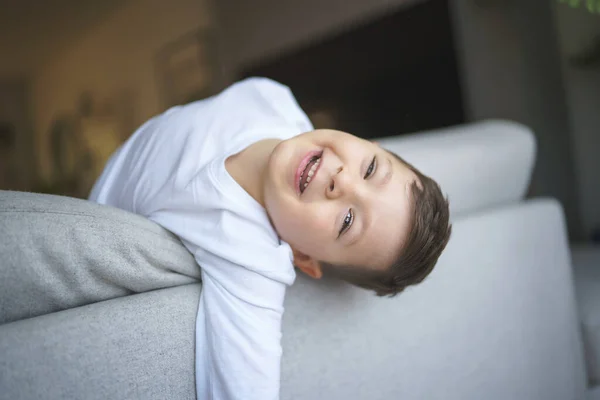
[273, 98]
[261, 84]
[262, 90]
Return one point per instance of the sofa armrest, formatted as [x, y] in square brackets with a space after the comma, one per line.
[58, 252]
[134, 347]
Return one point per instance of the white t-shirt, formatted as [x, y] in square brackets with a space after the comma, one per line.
[172, 170]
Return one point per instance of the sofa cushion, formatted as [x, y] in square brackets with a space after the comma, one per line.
[495, 320]
[58, 252]
[478, 165]
[134, 347]
[593, 393]
[586, 267]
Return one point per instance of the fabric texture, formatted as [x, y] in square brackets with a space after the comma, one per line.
[135, 347]
[172, 170]
[495, 320]
[58, 253]
[594, 393]
[586, 268]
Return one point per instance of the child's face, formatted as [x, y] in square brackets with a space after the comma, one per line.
[354, 211]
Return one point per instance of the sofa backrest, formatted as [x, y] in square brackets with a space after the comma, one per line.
[495, 319]
[478, 165]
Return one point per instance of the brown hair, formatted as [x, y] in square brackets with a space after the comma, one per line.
[429, 235]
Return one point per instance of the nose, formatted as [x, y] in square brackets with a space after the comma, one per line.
[341, 184]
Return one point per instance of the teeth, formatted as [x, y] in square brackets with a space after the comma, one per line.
[314, 168]
[310, 173]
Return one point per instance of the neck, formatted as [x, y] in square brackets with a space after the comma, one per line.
[249, 167]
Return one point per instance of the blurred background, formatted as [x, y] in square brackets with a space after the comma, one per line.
[78, 76]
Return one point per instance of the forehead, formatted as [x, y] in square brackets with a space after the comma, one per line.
[390, 211]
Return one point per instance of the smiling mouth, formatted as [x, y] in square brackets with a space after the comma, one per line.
[309, 172]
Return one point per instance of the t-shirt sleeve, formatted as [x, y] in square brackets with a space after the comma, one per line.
[238, 333]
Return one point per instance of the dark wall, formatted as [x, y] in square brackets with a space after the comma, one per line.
[393, 75]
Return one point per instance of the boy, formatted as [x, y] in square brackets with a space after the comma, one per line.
[252, 191]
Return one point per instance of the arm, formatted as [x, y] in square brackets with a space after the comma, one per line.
[238, 333]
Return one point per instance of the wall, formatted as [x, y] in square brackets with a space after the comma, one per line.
[16, 172]
[114, 60]
[577, 29]
[511, 69]
[251, 30]
[31, 31]
[509, 65]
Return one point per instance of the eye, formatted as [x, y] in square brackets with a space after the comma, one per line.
[347, 222]
[372, 168]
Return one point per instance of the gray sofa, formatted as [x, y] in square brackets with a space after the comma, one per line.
[97, 303]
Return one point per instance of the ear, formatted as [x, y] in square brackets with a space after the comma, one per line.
[307, 264]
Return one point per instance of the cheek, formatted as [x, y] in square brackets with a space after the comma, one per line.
[320, 224]
[304, 222]
[285, 214]
[317, 214]
[311, 220]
